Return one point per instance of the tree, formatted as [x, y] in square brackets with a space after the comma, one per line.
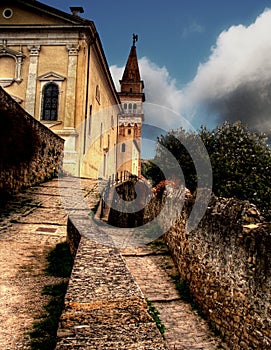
[241, 163]
[240, 160]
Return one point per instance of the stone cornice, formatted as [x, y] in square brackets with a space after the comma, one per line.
[125, 120]
[51, 76]
[44, 37]
[65, 18]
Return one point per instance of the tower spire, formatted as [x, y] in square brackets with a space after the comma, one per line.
[131, 81]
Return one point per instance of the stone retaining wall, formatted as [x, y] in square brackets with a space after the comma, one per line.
[226, 261]
[104, 307]
[30, 153]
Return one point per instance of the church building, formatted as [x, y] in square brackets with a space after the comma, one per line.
[53, 64]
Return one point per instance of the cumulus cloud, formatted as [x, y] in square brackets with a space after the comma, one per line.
[162, 94]
[235, 82]
[160, 87]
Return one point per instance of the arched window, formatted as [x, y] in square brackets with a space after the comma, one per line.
[50, 94]
[134, 107]
[123, 147]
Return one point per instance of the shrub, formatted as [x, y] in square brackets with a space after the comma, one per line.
[240, 159]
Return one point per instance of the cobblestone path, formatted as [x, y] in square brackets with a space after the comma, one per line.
[32, 223]
[153, 268]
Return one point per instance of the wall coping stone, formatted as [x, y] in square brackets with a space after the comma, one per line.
[104, 307]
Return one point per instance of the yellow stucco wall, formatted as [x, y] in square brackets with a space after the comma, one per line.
[22, 16]
[85, 151]
[103, 122]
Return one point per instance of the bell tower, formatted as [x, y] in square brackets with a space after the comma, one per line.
[130, 121]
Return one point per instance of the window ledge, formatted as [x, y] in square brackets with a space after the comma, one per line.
[50, 123]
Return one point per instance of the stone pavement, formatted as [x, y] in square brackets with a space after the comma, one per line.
[153, 269]
[32, 223]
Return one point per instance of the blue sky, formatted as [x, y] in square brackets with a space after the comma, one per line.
[177, 34]
[208, 60]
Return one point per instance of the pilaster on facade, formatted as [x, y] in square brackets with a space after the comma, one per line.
[71, 155]
[69, 120]
[30, 101]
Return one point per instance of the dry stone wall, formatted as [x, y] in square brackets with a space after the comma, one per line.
[226, 261]
[30, 153]
[123, 212]
[104, 307]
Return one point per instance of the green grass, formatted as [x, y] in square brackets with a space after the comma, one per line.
[183, 289]
[43, 333]
[156, 317]
[186, 295]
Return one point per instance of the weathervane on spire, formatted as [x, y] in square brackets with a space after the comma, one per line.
[135, 39]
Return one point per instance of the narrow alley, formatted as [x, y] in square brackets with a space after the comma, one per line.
[32, 223]
[154, 272]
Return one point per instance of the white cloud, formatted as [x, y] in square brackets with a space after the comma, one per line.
[116, 73]
[160, 89]
[234, 83]
[193, 27]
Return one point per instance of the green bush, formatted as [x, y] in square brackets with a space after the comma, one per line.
[241, 163]
[240, 160]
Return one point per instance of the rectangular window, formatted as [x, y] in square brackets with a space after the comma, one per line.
[89, 120]
[101, 135]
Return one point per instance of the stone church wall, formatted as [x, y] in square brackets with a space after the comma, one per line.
[226, 262]
[30, 153]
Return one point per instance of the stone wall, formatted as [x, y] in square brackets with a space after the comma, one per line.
[226, 262]
[104, 307]
[30, 153]
[127, 199]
